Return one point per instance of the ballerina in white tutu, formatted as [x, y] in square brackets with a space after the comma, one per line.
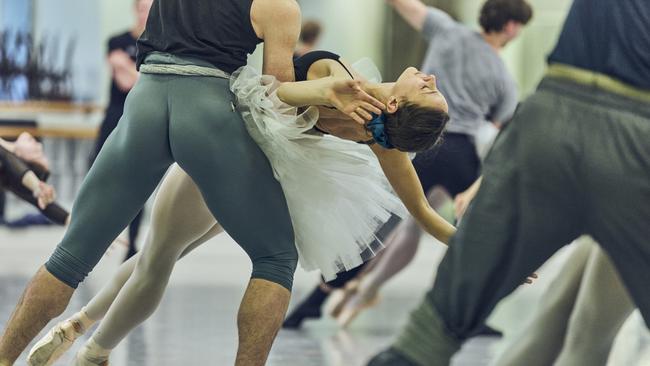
[336, 191]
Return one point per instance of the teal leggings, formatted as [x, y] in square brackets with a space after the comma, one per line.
[190, 120]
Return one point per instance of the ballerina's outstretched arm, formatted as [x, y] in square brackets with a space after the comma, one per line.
[402, 176]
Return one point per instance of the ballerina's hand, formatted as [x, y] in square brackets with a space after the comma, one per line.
[27, 148]
[349, 97]
[45, 195]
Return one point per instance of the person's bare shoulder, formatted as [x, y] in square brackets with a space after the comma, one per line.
[269, 13]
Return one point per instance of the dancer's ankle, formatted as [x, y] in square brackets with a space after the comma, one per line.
[367, 288]
[93, 351]
[81, 321]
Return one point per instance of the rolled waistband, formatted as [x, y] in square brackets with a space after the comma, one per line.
[596, 96]
[597, 80]
[165, 63]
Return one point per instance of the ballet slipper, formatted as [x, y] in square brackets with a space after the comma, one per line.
[87, 361]
[355, 304]
[55, 343]
[339, 297]
[91, 355]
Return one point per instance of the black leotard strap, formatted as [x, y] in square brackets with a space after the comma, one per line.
[302, 64]
[301, 67]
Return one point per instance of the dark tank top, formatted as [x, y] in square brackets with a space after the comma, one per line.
[302, 64]
[301, 67]
[217, 31]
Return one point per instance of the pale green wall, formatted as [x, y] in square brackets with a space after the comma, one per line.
[351, 28]
[116, 17]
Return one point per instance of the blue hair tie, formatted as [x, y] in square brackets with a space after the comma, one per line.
[378, 129]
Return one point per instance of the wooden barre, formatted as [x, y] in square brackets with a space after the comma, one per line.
[77, 133]
[45, 107]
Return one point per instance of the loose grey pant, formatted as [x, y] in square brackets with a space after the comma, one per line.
[190, 120]
[578, 317]
[574, 160]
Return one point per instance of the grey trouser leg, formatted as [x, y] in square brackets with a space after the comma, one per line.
[574, 160]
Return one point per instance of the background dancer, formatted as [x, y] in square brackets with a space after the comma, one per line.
[26, 177]
[121, 57]
[574, 160]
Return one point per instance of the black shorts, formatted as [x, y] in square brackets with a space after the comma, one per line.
[454, 165]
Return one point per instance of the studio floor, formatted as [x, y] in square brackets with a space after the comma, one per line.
[195, 324]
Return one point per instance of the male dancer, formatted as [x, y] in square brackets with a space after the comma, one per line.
[574, 160]
[191, 120]
[121, 58]
[479, 89]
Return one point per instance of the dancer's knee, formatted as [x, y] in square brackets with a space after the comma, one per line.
[278, 268]
[67, 268]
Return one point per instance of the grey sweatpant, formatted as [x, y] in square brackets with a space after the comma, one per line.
[575, 160]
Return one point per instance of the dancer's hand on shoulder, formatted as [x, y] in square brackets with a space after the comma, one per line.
[349, 97]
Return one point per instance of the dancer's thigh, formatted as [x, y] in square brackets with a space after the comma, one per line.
[180, 217]
[126, 172]
[210, 141]
[617, 169]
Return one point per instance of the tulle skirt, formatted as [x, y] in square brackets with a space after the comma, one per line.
[337, 194]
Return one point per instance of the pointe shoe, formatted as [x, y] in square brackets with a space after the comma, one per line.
[83, 358]
[55, 343]
[355, 304]
[339, 297]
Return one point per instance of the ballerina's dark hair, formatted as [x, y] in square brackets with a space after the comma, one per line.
[414, 128]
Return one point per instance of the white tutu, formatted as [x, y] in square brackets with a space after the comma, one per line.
[337, 194]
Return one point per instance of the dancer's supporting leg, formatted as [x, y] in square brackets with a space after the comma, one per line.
[229, 194]
[139, 145]
[602, 306]
[400, 251]
[310, 307]
[579, 314]
[181, 222]
[240, 191]
[535, 177]
[541, 341]
[179, 195]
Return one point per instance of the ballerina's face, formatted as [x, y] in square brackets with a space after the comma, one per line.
[416, 87]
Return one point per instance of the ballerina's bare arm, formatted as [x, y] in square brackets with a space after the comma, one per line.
[344, 94]
[399, 170]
